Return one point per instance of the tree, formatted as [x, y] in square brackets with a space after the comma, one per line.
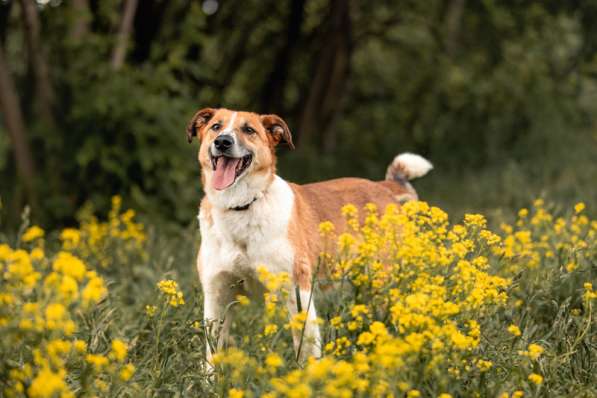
[38, 61]
[81, 12]
[331, 72]
[124, 33]
[13, 119]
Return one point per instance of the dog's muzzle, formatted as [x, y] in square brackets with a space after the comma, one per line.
[223, 143]
[229, 160]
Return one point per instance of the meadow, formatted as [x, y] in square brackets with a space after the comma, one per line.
[103, 300]
[425, 306]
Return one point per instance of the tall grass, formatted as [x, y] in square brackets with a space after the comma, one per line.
[422, 307]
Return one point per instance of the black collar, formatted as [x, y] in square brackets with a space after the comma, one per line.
[245, 207]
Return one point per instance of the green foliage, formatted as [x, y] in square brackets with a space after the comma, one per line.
[498, 95]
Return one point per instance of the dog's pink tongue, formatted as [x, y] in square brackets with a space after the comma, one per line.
[225, 172]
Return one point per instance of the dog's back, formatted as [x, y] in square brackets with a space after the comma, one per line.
[324, 200]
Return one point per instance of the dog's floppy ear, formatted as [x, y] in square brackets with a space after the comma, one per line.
[277, 128]
[199, 120]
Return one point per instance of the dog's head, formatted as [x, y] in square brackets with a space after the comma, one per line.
[236, 146]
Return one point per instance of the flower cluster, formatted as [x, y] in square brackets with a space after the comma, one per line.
[44, 300]
[415, 303]
[103, 242]
[171, 292]
[410, 305]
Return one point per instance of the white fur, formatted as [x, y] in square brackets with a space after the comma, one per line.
[414, 166]
[239, 241]
[235, 243]
[230, 128]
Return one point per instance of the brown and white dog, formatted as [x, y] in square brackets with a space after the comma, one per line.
[252, 217]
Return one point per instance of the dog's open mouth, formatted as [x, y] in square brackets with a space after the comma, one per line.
[227, 169]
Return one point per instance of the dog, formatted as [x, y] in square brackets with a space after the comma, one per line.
[251, 217]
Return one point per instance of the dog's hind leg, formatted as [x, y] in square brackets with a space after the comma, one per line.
[307, 338]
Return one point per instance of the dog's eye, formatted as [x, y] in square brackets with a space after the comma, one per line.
[248, 130]
[216, 126]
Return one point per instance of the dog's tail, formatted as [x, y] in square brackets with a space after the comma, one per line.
[405, 167]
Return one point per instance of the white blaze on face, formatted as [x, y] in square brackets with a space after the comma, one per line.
[225, 172]
[230, 128]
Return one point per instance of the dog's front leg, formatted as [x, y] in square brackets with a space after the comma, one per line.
[217, 322]
[307, 339]
[218, 294]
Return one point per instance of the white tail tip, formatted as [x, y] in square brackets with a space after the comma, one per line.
[409, 166]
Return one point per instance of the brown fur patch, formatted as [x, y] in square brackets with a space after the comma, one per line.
[322, 201]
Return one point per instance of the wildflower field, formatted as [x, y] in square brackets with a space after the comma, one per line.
[414, 304]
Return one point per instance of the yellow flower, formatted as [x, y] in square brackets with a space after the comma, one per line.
[522, 213]
[483, 365]
[70, 238]
[359, 309]
[32, 233]
[48, 383]
[174, 296]
[477, 220]
[326, 228]
[349, 211]
[98, 361]
[68, 288]
[518, 394]
[378, 329]
[243, 300]
[37, 254]
[235, 393]
[80, 346]
[298, 321]
[589, 293]
[413, 394]
[514, 330]
[273, 361]
[119, 350]
[270, 329]
[55, 312]
[94, 291]
[444, 395]
[150, 310]
[365, 338]
[579, 207]
[69, 265]
[571, 266]
[534, 351]
[535, 378]
[127, 372]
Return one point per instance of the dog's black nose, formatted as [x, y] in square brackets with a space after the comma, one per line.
[223, 142]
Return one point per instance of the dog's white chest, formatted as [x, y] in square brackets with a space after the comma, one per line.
[240, 241]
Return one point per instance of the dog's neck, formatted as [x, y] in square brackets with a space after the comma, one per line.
[245, 207]
[246, 191]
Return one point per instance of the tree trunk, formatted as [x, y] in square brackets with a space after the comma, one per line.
[13, 120]
[324, 94]
[453, 25]
[148, 22]
[124, 33]
[5, 9]
[43, 85]
[82, 16]
[272, 96]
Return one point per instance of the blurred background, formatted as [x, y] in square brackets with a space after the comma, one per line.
[95, 95]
